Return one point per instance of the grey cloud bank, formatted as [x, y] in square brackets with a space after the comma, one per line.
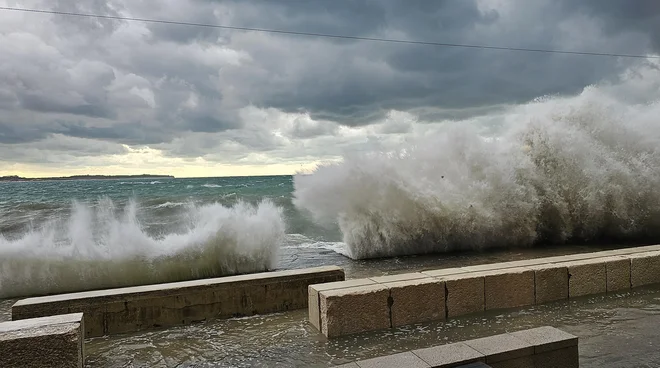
[225, 95]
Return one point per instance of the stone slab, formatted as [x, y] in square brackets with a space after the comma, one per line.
[522, 362]
[313, 306]
[508, 288]
[465, 294]
[550, 282]
[353, 310]
[645, 269]
[546, 339]
[449, 355]
[48, 342]
[416, 301]
[618, 274]
[586, 277]
[562, 358]
[121, 310]
[408, 360]
[500, 348]
[399, 277]
[444, 272]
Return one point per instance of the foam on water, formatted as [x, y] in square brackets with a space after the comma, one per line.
[95, 247]
[559, 169]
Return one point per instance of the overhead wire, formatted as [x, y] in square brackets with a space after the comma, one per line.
[328, 35]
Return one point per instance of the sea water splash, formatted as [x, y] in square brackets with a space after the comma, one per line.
[580, 168]
[95, 247]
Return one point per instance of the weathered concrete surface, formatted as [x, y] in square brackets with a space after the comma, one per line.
[618, 274]
[645, 269]
[131, 309]
[48, 342]
[500, 348]
[352, 310]
[551, 283]
[313, 305]
[586, 277]
[399, 277]
[509, 288]
[450, 355]
[544, 347]
[407, 360]
[416, 301]
[465, 294]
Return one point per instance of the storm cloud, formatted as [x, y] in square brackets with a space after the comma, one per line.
[235, 96]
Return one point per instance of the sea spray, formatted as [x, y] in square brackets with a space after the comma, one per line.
[561, 169]
[99, 247]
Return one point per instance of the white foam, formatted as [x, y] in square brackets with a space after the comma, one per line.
[95, 248]
[566, 168]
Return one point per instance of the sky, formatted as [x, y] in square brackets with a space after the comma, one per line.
[99, 96]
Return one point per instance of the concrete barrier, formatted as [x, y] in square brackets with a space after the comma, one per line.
[48, 342]
[138, 308]
[419, 296]
[543, 347]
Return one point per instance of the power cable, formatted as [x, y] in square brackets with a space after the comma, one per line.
[326, 35]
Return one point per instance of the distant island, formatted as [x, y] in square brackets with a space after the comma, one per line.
[86, 177]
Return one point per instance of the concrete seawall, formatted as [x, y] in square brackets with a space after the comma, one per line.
[48, 342]
[362, 305]
[543, 347]
[139, 308]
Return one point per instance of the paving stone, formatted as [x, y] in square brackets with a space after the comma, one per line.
[501, 348]
[313, 306]
[551, 283]
[407, 360]
[618, 274]
[586, 277]
[546, 338]
[645, 269]
[465, 294]
[449, 355]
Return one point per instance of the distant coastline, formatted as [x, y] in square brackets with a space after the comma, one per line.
[86, 177]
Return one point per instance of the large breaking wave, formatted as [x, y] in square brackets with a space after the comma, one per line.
[560, 169]
[95, 248]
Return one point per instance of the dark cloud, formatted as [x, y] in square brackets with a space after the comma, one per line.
[144, 83]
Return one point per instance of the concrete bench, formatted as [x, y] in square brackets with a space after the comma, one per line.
[543, 347]
[138, 308]
[361, 305]
[48, 342]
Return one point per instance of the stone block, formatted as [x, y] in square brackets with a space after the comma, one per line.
[562, 358]
[399, 277]
[501, 348]
[465, 294]
[550, 282]
[618, 274]
[645, 269]
[354, 310]
[150, 306]
[408, 360]
[48, 342]
[417, 301]
[313, 306]
[450, 355]
[586, 277]
[509, 288]
[545, 339]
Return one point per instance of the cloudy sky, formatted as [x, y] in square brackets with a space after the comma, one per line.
[86, 95]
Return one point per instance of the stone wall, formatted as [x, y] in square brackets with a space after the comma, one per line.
[48, 342]
[145, 307]
[361, 305]
[543, 347]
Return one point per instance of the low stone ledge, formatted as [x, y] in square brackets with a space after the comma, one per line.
[351, 310]
[544, 347]
[48, 342]
[644, 269]
[121, 310]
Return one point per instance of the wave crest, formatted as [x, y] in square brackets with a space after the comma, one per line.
[99, 247]
[562, 169]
